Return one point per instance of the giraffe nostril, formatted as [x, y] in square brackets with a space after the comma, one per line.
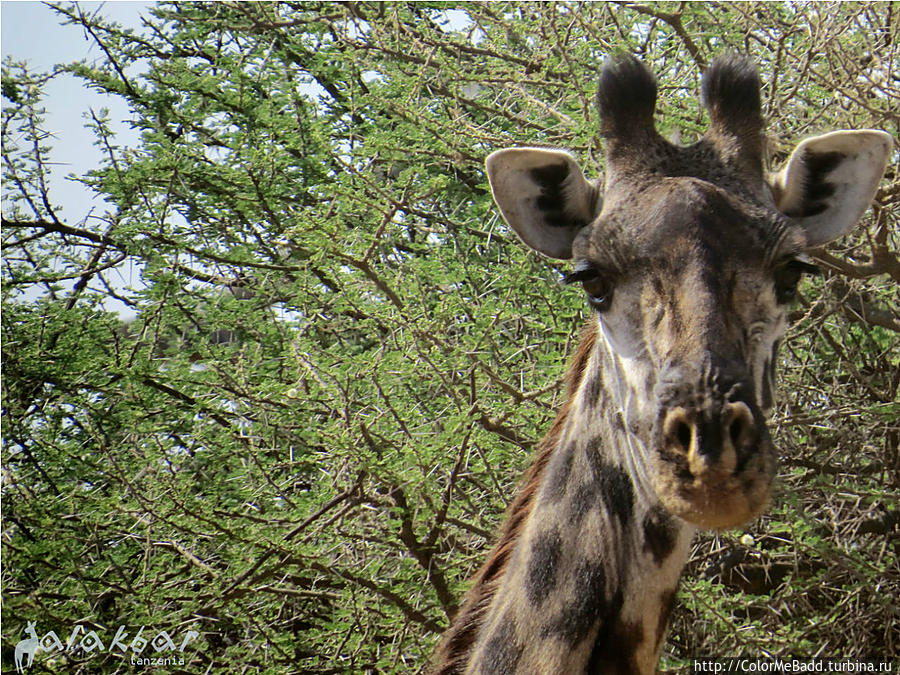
[739, 423]
[678, 429]
[734, 430]
[683, 434]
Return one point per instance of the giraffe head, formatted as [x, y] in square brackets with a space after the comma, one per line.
[690, 257]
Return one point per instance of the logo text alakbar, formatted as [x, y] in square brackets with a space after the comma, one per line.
[90, 641]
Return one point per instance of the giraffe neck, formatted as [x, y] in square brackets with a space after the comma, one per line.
[584, 580]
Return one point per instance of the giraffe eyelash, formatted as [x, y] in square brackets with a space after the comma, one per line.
[803, 265]
[584, 271]
[578, 276]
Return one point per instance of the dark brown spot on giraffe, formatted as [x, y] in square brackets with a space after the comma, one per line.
[605, 486]
[617, 490]
[540, 578]
[582, 501]
[614, 651]
[590, 605]
[660, 534]
[501, 651]
[558, 473]
[595, 389]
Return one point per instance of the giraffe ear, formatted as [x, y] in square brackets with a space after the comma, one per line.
[830, 180]
[544, 196]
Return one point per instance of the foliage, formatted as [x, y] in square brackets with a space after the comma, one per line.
[336, 359]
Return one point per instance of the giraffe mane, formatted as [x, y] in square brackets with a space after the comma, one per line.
[454, 648]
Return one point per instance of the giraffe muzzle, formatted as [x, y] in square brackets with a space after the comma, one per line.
[714, 460]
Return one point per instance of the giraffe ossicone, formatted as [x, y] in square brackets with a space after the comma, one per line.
[689, 257]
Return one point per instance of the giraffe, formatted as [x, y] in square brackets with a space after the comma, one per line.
[689, 258]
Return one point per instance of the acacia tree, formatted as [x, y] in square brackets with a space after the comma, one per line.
[339, 358]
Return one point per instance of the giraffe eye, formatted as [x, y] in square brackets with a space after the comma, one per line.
[596, 285]
[786, 285]
[599, 293]
[788, 276]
